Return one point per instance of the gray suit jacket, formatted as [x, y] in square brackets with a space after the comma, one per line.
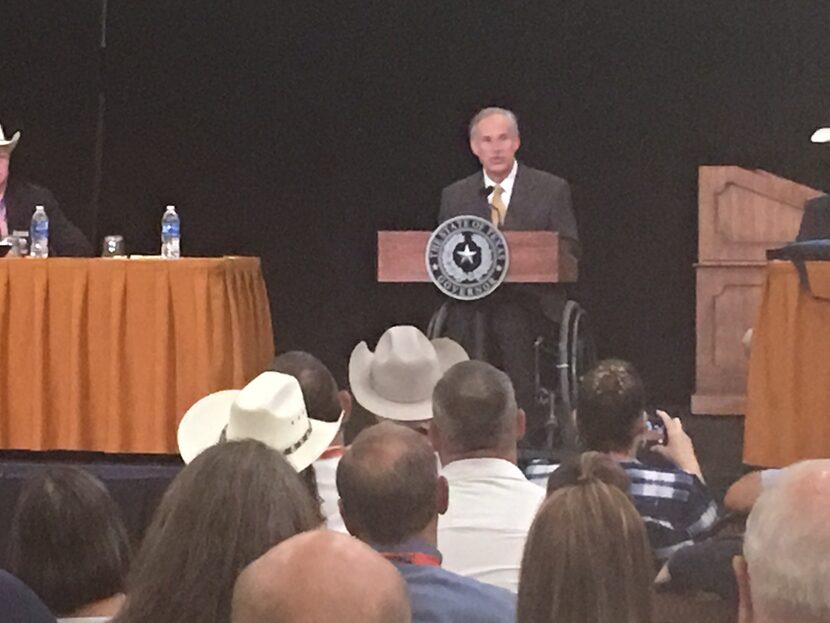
[540, 201]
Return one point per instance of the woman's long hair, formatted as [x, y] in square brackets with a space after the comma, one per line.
[587, 558]
[229, 506]
[67, 540]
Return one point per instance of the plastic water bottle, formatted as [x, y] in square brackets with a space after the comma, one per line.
[170, 234]
[39, 239]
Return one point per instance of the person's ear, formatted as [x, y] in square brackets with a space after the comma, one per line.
[434, 436]
[345, 400]
[745, 611]
[351, 528]
[474, 146]
[521, 424]
[442, 494]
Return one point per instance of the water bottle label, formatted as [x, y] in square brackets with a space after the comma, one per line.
[40, 228]
[170, 230]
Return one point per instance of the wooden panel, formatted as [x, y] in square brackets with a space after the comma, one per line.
[727, 304]
[743, 213]
[534, 257]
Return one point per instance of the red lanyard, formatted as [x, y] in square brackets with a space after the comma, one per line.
[332, 452]
[413, 558]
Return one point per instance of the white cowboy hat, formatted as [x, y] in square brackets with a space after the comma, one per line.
[396, 381]
[11, 143]
[269, 409]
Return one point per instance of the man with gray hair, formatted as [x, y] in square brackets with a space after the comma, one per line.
[784, 575]
[476, 425]
[513, 196]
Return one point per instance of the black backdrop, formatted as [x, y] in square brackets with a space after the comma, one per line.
[296, 130]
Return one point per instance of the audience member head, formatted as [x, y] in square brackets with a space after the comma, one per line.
[600, 466]
[586, 559]
[322, 399]
[476, 414]
[787, 549]
[611, 407]
[19, 604]
[68, 543]
[389, 486]
[395, 382]
[269, 409]
[320, 576]
[229, 506]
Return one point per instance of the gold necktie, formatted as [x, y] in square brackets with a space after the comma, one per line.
[497, 207]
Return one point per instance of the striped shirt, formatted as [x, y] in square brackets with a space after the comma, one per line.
[675, 506]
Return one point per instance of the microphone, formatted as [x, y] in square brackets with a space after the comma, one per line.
[487, 190]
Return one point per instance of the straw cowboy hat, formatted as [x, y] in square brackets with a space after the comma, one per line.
[269, 409]
[396, 381]
[10, 143]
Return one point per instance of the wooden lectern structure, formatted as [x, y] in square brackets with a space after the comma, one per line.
[535, 257]
[741, 214]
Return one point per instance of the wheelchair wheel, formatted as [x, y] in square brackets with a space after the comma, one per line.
[438, 321]
[577, 354]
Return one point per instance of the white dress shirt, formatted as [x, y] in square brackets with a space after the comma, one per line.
[482, 535]
[506, 185]
[325, 471]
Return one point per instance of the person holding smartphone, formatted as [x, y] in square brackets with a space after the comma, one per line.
[673, 499]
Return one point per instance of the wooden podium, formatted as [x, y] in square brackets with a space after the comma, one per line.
[535, 257]
[741, 214]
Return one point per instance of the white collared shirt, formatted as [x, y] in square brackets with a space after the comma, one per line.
[325, 472]
[506, 185]
[482, 534]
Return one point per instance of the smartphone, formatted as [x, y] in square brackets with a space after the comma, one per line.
[656, 434]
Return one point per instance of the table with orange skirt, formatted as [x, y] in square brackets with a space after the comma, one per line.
[107, 354]
[788, 392]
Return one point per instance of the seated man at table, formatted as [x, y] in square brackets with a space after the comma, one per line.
[17, 204]
[513, 196]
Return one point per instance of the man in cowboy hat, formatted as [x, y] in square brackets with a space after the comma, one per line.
[390, 497]
[475, 431]
[18, 201]
[395, 382]
[269, 409]
[324, 403]
[320, 576]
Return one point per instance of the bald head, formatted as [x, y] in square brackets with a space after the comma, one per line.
[320, 576]
[388, 484]
[787, 546]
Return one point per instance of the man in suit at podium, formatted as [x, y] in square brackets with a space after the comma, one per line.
[512, 196]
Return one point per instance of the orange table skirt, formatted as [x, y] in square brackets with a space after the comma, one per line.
[788, 393]
[108, 354]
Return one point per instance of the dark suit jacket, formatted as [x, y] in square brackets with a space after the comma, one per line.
[64, 238]
[540, 201]
[815, 224]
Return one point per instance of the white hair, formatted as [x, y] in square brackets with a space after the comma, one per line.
[494, 110]
[787, 544]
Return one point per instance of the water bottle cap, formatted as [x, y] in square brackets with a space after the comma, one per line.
[171, 208]
[40, 208]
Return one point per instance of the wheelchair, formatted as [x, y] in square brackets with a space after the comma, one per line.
[560, 360]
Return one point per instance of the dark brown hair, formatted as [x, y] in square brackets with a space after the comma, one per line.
[611, 398]
[387, 482]
[586, 558]
[316, 382]
[67, 541]
[229, 506]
